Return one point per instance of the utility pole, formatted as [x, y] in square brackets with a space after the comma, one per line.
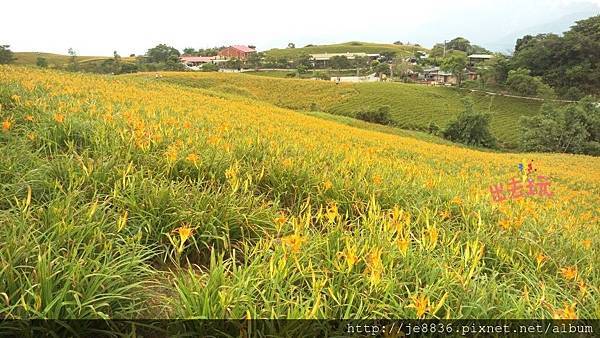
[444, 48]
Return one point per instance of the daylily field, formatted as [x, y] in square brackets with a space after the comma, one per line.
[132, 197]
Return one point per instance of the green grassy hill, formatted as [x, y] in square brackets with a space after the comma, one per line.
[353, 47]
[412, 106]
[57, 60]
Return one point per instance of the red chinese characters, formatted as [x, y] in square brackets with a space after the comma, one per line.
[516, 189]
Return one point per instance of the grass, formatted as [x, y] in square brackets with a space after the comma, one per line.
[126, 197]
[58, 60]
[412, 106]
[352, 47]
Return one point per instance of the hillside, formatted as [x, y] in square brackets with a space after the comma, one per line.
[352, 47]
[57, 60]
[412, 106]
[127, 197]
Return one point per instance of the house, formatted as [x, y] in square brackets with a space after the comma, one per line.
[356, 79]
[322, 60]
[237, 52]
[435, 75]
[196, 61]
[475, 59]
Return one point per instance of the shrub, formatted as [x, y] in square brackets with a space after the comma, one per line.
[574, 128]
[41, 62]
[380, 116]
[433, 128]
[210, 67]
[471, 128]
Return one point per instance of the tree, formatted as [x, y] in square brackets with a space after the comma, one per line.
[401, 68]
[254, 60]
[162, 54]
[339, 62]
[569, 63]
[471, 127]
[190, 51]
[382, 68]
[303, 60]
[387, 56]
[234, 63]
[73, 64]
[41, 62]
[116, 66]
[455, 64]
[520, 82]
[574, 128]
[6, 55]
[291, 45]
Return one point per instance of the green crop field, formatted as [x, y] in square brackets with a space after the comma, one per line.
[415, 106]
[352, 47]
[412, 106]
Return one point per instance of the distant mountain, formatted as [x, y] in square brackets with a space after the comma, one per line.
[507, 43]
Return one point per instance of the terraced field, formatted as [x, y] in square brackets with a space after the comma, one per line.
[412, 106]
[125, 197]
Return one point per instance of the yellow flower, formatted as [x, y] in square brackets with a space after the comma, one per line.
[582, 288]
[444, 215]
[568, 312]
[456, 200]
[332, 212]
[29, 118]
[287, 162]
[6, 125]
[432, 236]
[377, 180]
[587, 243]
[403, 245]
[327, 185]
[279, 221]
[421, 305]
[374, 266]
[504, 224]
[59, 118]
[171, 154]
[569, 272]
[294, 241]
[540, 258]
[192, 158]
[350, 256]
[184, 233]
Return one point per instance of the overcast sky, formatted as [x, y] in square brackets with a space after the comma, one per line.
[99, 27]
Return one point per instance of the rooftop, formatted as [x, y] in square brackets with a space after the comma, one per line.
[481, 56]
[243, 48]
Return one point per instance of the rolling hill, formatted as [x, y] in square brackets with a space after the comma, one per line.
[58, 60]
[353, 47]
[136, 197]
[412, 106]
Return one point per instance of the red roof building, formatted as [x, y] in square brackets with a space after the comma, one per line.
[237, 51]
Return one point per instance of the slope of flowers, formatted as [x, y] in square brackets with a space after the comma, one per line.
[412, 106]
[124, 197]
